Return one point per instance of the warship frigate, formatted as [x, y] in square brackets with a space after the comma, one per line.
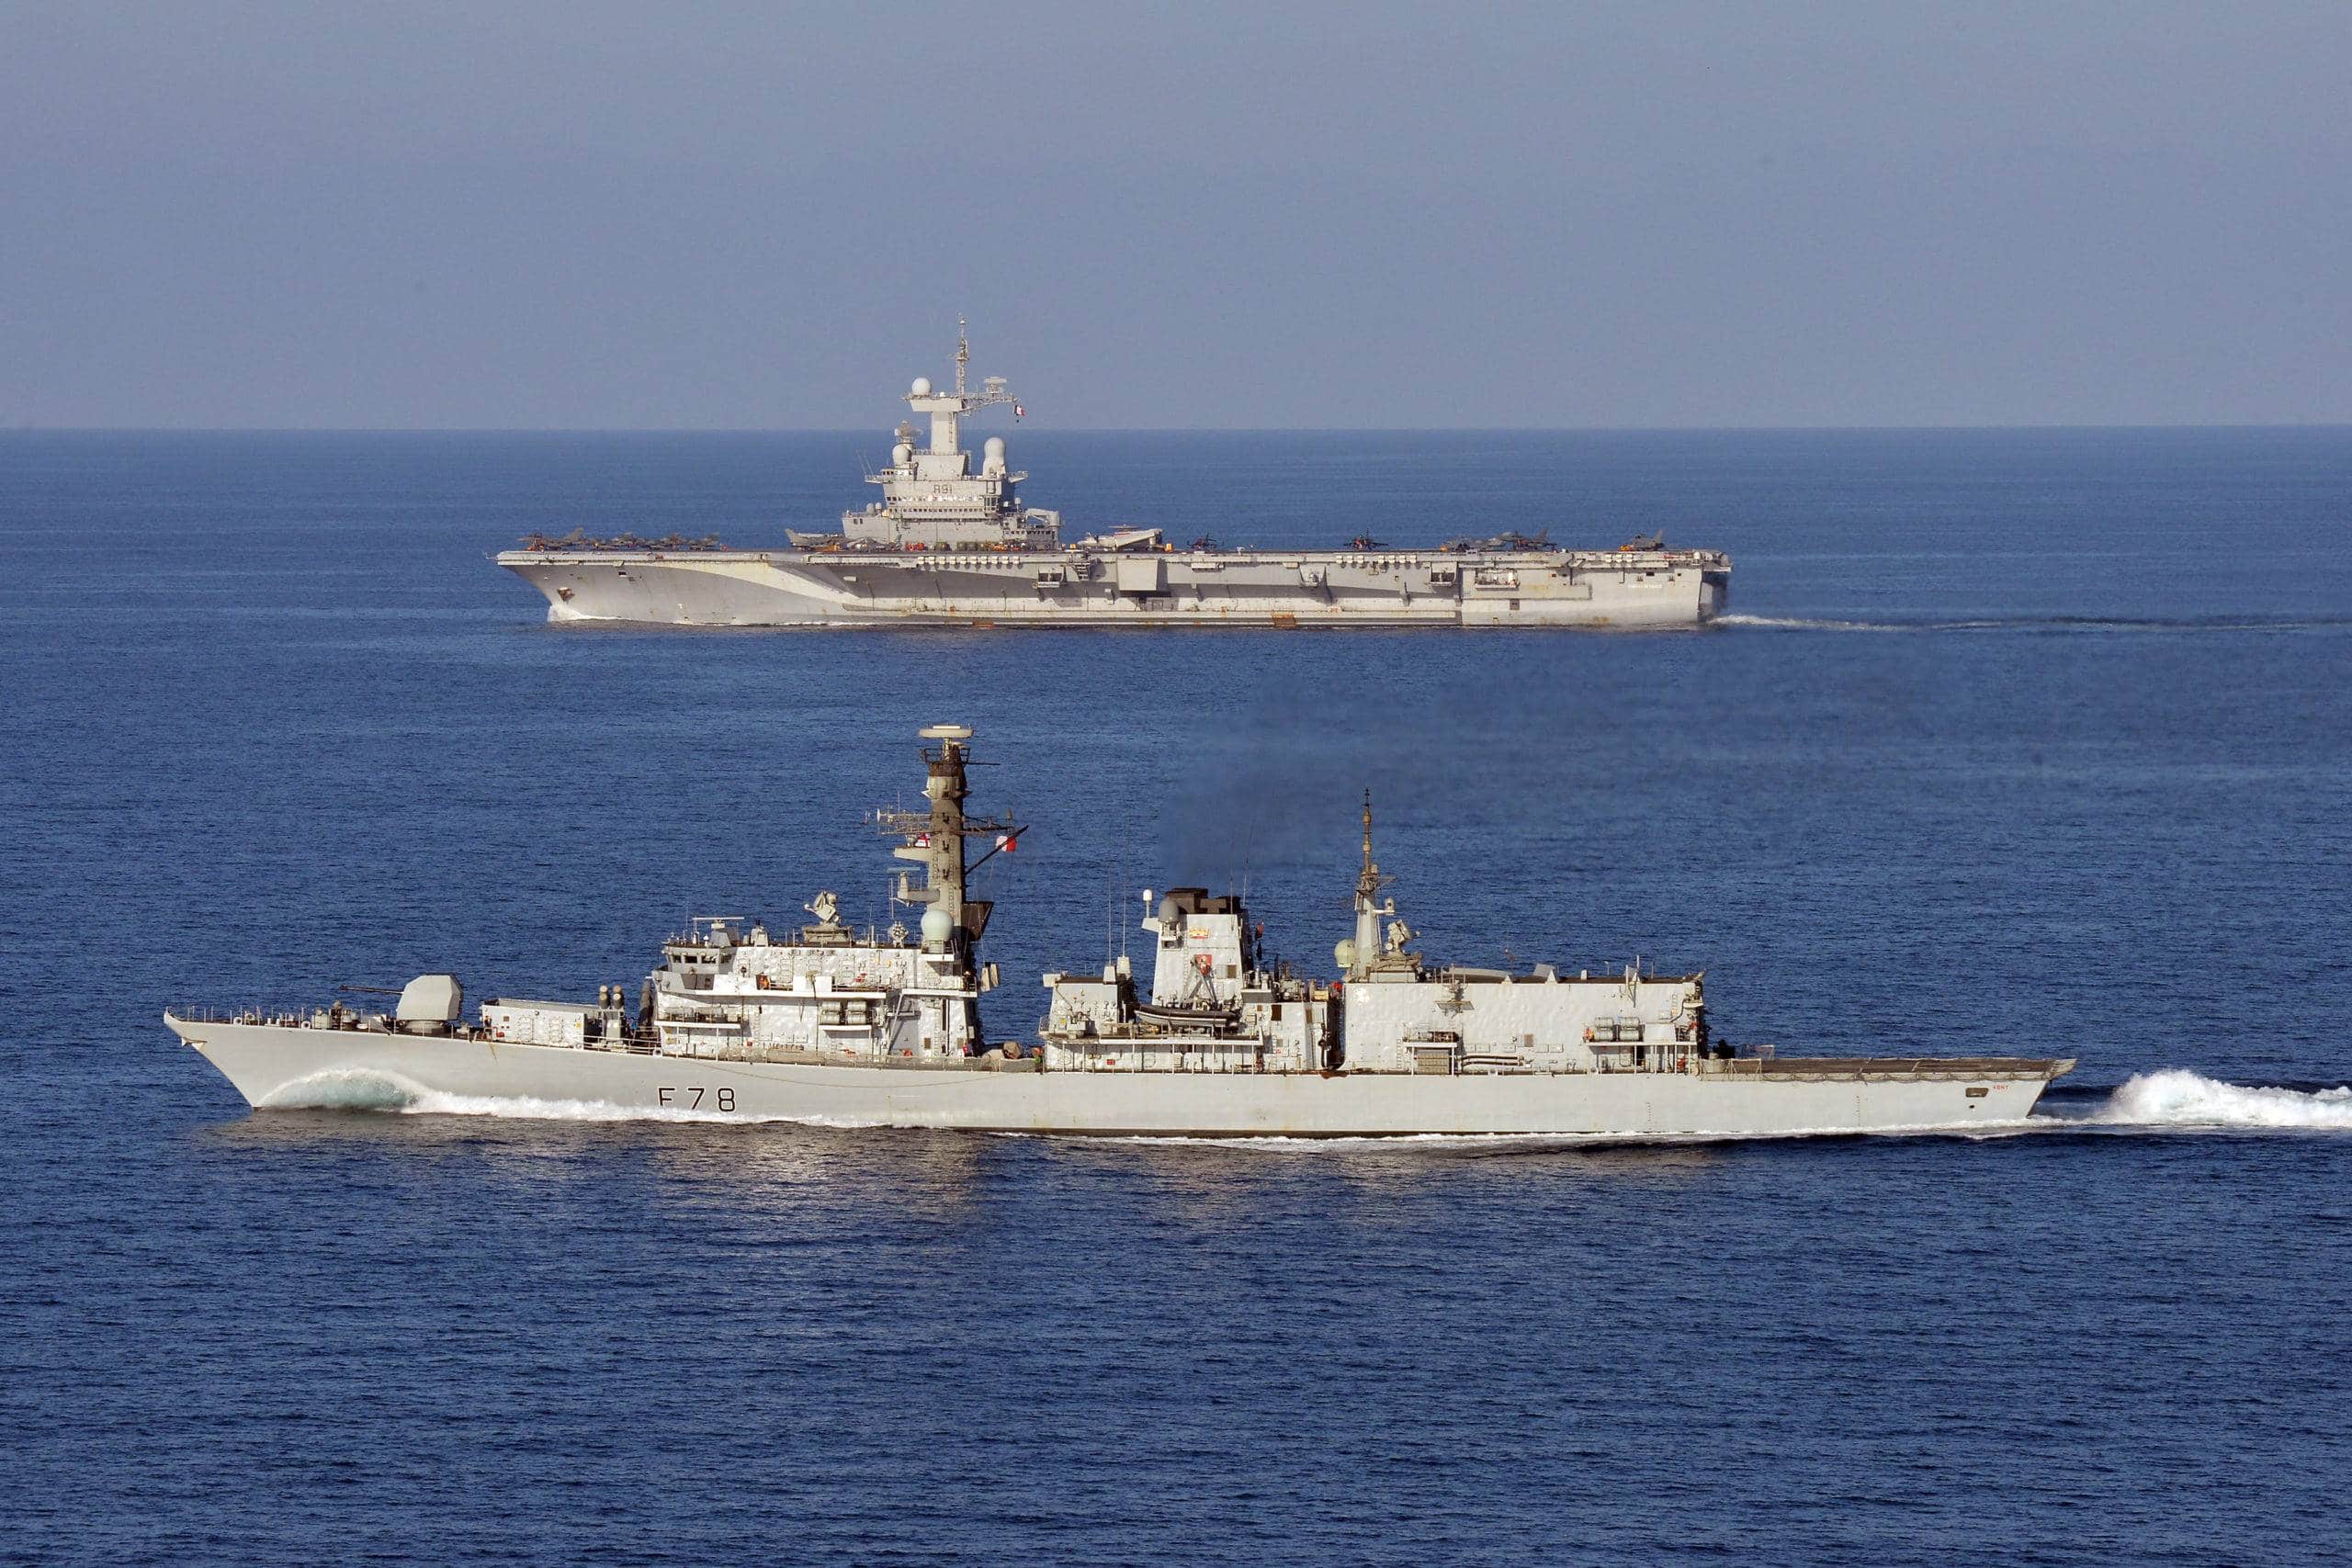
[823, 1022]
[951, 545]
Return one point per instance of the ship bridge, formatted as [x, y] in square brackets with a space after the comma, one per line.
[931, 495]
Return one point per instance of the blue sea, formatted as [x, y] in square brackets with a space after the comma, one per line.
[2017, 742]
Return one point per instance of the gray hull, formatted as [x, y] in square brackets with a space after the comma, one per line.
[276, 1066]
[1071, 588]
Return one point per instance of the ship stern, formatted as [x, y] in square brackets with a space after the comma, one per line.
[1714, 592]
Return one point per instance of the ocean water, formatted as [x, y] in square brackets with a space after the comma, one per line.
[2018, 741]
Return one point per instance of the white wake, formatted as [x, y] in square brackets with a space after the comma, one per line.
[2036, 623]
[2178, 1098]
[528, 1108]
[2173, 1098]
[376, 1091]
[1798, 624]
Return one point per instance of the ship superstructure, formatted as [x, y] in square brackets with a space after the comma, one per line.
[952, 542]
[729, 987]
[822, 1021]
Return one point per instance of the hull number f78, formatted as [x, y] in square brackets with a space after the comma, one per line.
[694, 1097]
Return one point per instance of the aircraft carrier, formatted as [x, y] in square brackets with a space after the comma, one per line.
[952, 544]
[824, 1022]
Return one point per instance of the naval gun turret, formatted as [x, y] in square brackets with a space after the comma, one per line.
[430, 1004]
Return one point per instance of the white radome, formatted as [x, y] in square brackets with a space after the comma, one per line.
[922, 389]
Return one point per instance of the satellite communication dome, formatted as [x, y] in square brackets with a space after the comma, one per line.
[937, 925]
[899, 453]
[1171, 912]
[993, 447]
[1345, 953]
[922, 389]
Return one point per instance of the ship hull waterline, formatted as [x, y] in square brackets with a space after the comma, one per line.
[283, 1066]
[787, 589]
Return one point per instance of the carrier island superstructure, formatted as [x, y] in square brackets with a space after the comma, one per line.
[951, 543]
[824, 1022]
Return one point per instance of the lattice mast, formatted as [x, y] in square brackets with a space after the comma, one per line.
[937, 839]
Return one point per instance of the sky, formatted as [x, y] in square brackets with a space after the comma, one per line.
[579, 214]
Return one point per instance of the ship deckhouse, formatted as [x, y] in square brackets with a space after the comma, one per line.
[729, 987]
[932, 496]
[1217, 1005]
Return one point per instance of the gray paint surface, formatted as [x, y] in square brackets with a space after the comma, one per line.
[284, 1067]
[952, 542]
[878, 1028]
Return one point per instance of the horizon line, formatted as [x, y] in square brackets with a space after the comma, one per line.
[36, 429]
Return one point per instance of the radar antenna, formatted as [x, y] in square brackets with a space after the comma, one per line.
[1369, 882]
[1367, 944]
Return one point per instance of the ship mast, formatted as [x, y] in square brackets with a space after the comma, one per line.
[1369, 882]
[935, 838]
[947, 409]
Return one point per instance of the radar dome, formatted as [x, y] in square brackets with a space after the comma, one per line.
[1345, 953]
[937, 925]
[922, 389]
[899, 453]
[993, 447]
[1171, 912]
